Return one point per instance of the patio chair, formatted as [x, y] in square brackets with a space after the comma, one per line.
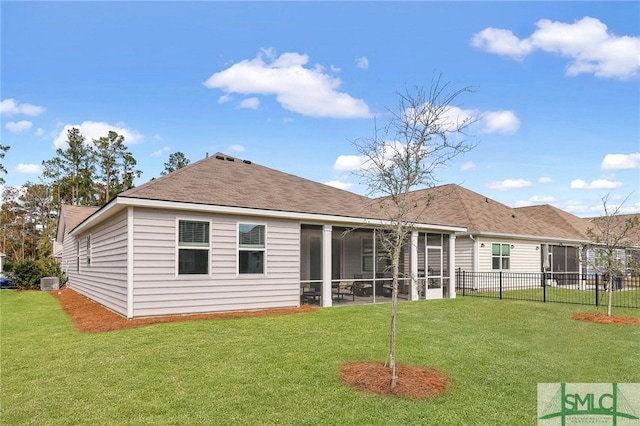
[342, 289]
[362, 288]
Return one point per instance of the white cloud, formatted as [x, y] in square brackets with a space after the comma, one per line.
[249, 103]
[161, 151]
[542, 199]
[362, 63]
[306, 91]
[29, 169]
[499, 122]
[348, 163]
[621, 161]
[536, 200]
[224, 99]
[510, 184]
[39, 132]
[339, 185]
[468, 166]
[236, 148]
[11, 107]
[596, 184]
[95, 130]
[17, 127]
[589, 45]
[487, 122]
[545, 179]
[501, 42]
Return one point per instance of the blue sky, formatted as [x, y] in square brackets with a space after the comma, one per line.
[290, 85]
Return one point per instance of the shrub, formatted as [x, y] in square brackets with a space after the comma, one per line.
[51, 268]
[26, 274]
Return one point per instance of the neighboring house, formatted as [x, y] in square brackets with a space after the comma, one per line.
[224, 234]
[501, 238]
[628, 254]
[2, 257]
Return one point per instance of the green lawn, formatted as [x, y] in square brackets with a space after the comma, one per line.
[284, 369]
[629, 298]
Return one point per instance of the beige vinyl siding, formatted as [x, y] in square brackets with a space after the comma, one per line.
[524, 258]
[69, 257]
[105, 279]
[464, 254]
[159, 290]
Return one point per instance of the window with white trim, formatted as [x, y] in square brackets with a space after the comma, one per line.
[500, 256]
[193, 247]
[251, 248]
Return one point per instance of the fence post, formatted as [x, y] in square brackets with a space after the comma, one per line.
[500, 285]
[544, 287]
[464, 284]
[597, 285]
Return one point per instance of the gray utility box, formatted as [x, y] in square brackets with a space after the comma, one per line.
[49, 283]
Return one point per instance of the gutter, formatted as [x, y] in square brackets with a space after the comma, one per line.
[522, 237]
[119, 203]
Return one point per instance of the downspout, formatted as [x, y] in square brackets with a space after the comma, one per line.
[474, 257]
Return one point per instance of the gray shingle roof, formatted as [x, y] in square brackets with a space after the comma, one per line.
[454, 205]
[74, 215]
[222, 180]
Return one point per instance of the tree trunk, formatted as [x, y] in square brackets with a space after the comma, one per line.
[609, 293]
[392, 348]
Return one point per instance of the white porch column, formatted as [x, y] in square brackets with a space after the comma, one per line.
[414, 266]
[326, 265]
[452, 266]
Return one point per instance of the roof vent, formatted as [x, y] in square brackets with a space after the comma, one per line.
[246, 161]
[513, 216]
[231, 159]
[220, 157]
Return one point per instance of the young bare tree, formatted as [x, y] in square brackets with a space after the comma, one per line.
[610, 235]
[423, 134]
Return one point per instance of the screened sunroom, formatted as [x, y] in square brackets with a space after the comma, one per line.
[342, 265]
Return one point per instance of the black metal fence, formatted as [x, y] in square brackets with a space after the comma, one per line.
[573, 288]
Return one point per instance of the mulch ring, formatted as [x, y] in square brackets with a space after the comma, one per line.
[605, 319]
[413, 382]
[90, 317]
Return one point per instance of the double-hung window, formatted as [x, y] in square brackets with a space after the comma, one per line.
[251, 248]
[193, 247]
[500, 255]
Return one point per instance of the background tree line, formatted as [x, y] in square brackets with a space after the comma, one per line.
[81, 174]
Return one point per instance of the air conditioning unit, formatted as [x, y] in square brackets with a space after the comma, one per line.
[49, 283]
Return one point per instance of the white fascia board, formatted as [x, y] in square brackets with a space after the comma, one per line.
[523, 237]
[120, 203]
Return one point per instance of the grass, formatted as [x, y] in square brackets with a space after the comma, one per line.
[284, 369]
